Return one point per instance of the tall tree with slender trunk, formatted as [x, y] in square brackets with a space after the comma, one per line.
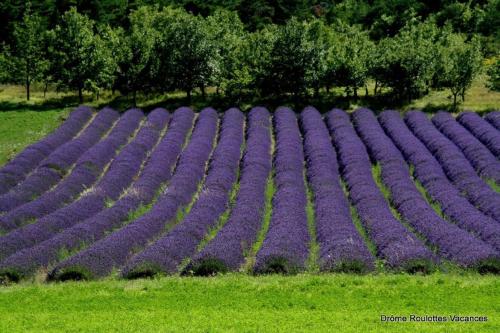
[28, 50]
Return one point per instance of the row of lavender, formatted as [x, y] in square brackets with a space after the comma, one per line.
[449, 240]
[17, 169]
[413, 238]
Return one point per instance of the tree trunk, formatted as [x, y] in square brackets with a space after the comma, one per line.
[327, 89]
[80, 95]
[188, 93]
[375, 88]
[316, 91]
[203, 92]
[366, 90]
[455, 100]
[355, 91]
[27, 89]
[134, 98]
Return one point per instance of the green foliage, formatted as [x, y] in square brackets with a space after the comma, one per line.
[494, 76]
[188, 54]
[406, 63]
[291, 60]
[226, 32]
[6, 64]
[136, 52]
[28, 56]
[458, 65]
[167, 47]
[81, 59]
[352, 51]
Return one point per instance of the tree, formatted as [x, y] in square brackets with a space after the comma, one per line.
[291, 59]
[226, 32]
[494, 76]
[107, 52]
[77, 53]
[28, 52]
[136, 52]
[459, 64]
[5, 64]
[353, 50]
[253, 56]
[188, 54]
[321, 38]
[406, 63]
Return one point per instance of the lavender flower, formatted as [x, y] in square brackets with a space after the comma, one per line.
[166, 254]
[113, 251]
[285, 248]
[432, 177]
[341, 246]
[397, 245]
[86, 171]
[121, 173]
[478, 155]
[482, 130]
[455, 165]
[18, 168]
[451, 242]
[53, 168]
[156, 172]
[494, 119]
[226, 251]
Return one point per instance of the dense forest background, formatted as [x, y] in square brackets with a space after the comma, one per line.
[395, 49]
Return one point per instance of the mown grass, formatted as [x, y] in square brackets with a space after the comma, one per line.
[242, 303]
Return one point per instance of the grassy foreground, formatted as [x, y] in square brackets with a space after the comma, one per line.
[241, 303]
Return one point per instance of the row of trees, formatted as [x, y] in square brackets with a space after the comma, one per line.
[169, 49]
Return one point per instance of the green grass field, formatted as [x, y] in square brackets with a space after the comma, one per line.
[235, 302]
[239, 303]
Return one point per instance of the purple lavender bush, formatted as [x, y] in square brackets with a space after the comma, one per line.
[494, 119]
[286, 246]
[87, 170]
[120, 175]
[53, 168]
[429, 173]
[450, 241]
[455, 165]
[486, 165]
[226, 252]
[166, 254]
[401, 249]
[482, 130]
[156, 172]
[341, 246]
[113, 251]
[16, 170]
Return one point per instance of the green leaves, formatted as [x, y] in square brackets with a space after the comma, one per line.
[494, 74]
[82, 59]
[27, 60]
[459, 64]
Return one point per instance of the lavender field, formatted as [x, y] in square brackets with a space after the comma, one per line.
[265, 191]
